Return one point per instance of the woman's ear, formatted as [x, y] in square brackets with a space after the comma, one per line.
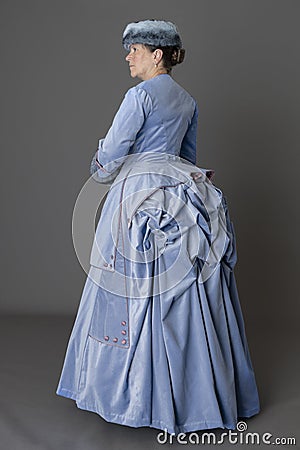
[158, 54]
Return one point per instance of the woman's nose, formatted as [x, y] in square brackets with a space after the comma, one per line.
[127, 57]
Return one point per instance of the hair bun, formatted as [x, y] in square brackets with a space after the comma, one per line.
[178, 56]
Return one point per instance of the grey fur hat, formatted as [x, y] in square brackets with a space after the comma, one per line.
[152, 32]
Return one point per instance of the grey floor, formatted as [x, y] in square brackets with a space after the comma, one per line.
[33, 417]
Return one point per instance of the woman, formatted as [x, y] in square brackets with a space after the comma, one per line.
[159, 337]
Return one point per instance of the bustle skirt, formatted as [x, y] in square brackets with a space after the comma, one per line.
[159, 337]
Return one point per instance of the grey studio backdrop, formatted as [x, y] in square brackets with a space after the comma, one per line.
[63, 77]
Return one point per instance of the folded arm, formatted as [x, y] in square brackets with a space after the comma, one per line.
[113, 149]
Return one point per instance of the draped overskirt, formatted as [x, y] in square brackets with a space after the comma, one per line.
[159, 338]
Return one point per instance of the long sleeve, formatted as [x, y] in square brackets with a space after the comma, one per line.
[127, 122]
[189, 143]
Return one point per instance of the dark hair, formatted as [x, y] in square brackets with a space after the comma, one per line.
[172, 55]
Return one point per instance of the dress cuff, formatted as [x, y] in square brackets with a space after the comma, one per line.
[100, 165]
[96, 165]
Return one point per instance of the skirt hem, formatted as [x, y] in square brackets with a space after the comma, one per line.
[157, 424]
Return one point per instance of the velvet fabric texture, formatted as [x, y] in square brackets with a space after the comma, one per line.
[159, 338]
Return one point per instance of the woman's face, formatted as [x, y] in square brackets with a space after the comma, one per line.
[141, 62]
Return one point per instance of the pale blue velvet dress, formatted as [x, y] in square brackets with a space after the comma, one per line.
[159, 337]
